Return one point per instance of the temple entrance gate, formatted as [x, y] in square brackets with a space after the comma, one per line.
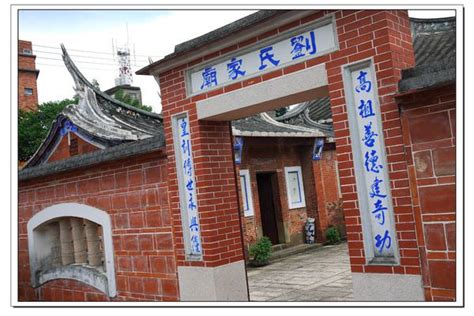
[357, 65]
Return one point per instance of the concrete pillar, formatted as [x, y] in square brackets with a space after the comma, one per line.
[79, 240]
[94, 255]
[55, 245]
[67, 249]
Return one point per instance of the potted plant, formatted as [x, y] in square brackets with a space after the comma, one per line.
[332, 235]
[260, 252]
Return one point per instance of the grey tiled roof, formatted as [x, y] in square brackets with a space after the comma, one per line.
[434, 44]
[315, 114]
[98, 118]
[264, 125]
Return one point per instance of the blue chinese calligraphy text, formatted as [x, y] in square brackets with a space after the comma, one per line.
[371, 162]
[194, 226]
[196, 246]
[266, 55]
[364, 84]
[379, 212]
[366, 109]
[184, 126]
[375, 189]
[381, 242]
[233, 68]
[369, 135]
[209, 78]
[191, 204]
[302, 45]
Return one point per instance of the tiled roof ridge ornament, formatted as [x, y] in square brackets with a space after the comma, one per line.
[98, 119]
[82, 83]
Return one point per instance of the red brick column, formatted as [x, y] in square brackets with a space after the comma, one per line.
[219, 220]
[385, 36]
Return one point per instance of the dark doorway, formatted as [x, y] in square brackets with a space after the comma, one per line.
[269, 205]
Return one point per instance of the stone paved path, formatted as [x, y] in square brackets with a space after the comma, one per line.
[320, 274]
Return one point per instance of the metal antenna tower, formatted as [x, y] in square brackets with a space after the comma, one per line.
[125, 70]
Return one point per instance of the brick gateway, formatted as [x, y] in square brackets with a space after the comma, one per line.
[159, 253]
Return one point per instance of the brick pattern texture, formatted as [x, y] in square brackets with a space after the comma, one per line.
[263, 155]
[64, 150]
[319, 180]
[134, 193]
[383, 35]
[429, 132]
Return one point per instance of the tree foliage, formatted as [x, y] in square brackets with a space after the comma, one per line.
[125, 98]
[33, 126]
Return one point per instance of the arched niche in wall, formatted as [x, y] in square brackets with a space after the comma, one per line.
[72, 241]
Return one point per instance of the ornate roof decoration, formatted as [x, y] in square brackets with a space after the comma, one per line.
[98, 119]
[315, 114]
[264, 125]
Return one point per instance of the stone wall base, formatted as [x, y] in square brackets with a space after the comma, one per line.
[387, 287]
[223, 283]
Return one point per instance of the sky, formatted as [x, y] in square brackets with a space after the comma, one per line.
[88, 36]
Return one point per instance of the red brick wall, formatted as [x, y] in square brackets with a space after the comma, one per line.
[330, 210]
[265, 154]
[215, 181]
[26, 79]
[383, 35]
[134, 193]
[429, 128]
[63, 150]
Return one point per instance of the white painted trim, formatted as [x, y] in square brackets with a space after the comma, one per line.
[75, 210]
[299, 174]
[248, 188]
[295, 87]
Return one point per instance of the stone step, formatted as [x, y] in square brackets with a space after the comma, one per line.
[282, 251]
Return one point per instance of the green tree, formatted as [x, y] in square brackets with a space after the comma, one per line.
[121, 96]
[33, 126]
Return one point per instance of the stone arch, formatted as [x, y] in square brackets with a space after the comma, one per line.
[102, 280]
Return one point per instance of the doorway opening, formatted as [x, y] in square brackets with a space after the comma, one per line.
[269, 198]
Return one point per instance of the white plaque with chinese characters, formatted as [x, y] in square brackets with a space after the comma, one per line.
[187, 187]
[288, 48]
[370, 163]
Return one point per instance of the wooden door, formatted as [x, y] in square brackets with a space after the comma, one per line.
[267, 206]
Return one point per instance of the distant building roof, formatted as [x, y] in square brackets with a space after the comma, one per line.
[264, 125]
[112, 90]
[315, 114]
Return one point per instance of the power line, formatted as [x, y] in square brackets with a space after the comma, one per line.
[94, 52]
[86, 62]
[85, 67]
[80, 56]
